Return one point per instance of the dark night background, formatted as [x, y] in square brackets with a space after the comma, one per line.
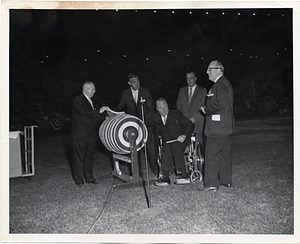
[52, 52]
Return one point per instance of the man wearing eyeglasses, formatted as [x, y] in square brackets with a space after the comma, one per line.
[219, 126]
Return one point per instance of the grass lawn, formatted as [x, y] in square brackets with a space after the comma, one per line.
[261, 201]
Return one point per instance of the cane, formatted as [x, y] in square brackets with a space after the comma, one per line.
[146, 156]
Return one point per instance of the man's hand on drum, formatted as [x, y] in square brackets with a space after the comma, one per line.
[110, 114]
[181, 138]
[102, 109]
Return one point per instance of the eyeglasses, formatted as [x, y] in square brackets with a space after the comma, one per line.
[210, 68]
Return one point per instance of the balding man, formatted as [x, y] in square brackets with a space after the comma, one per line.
[85, 118]
[176, 132]
[219, 126]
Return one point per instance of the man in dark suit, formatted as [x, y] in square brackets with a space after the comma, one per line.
[190, 100]
[83, 132]
[218, 128]
[176, 132]
[132, 100]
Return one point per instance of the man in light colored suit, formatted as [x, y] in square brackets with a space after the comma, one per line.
[190, 100]
[218, 129]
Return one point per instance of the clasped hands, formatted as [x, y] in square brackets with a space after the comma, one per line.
[181, 138]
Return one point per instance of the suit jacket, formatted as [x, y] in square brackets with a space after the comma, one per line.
[219, 109]
[177, 124]
[84, 119]
[128, 104]
[194, 109]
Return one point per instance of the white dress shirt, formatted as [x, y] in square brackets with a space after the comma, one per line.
[135, 95]
[90, 101]
[164, 119]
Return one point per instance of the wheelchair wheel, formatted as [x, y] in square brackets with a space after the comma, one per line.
[198, 160]
[196, 175]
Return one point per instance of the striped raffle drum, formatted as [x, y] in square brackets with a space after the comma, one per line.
[124, 134]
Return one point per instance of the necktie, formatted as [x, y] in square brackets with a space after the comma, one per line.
[164, 118]
[190, 95]
[91, 102]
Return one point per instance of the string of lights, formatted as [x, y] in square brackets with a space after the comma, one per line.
[233, 16]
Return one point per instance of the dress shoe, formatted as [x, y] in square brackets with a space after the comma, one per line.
[211, 188]
[226, 185]
[93, 182]
[182, 181]
[165, 181]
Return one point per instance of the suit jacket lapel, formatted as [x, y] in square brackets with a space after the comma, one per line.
[168, 118]
[194, 94]
[138, 97]
[88, 104]
[187, 96]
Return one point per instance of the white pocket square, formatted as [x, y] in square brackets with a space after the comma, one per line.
[216, 117]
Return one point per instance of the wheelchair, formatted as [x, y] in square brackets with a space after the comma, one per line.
[193, 157]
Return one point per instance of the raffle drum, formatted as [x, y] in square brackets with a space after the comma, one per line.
[124, 134]
[114, 133]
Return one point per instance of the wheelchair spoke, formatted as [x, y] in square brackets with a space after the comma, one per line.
[196, 176]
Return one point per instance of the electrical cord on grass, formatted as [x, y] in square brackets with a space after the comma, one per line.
[115, 183]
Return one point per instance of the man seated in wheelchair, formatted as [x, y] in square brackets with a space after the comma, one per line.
[176, 132]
